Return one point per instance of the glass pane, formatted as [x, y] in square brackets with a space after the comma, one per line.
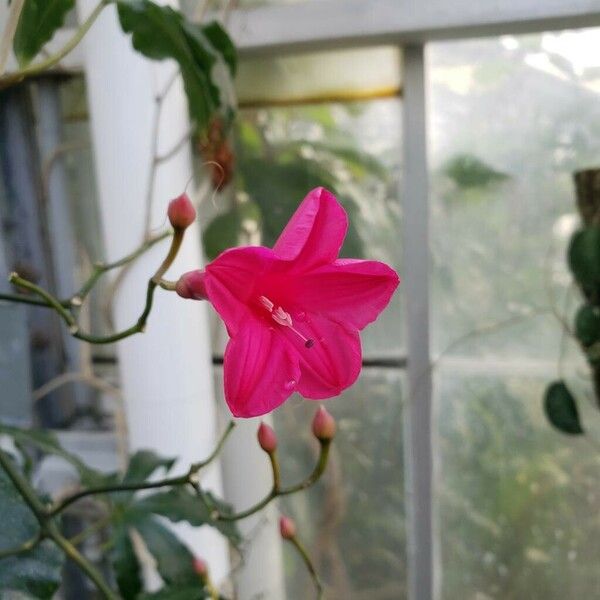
[510, 120]
[353, 149]
[353, 522]
[517, 501]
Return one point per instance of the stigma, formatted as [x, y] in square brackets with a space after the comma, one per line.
[283, 318]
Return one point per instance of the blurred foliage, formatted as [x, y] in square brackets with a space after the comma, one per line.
[205, 54]
[468, 171]
[354, 521]
[517, 502]
[38, 572]
[38, 22]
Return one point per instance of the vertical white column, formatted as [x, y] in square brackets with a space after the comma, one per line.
[248, 478]
[166, 372]
[418, 441]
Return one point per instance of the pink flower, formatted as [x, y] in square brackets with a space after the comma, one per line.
[293, 312]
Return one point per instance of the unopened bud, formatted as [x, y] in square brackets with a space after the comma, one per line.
[181, 212]
[192, 285]
[200, 567]
[267, 438]
[287, 528]
[323, 425]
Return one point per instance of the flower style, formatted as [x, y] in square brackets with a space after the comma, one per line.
[293, 312]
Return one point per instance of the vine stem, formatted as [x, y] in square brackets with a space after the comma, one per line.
[277, 490]
[37, 68]
[61, 307]
[309, 565]
[187, 478]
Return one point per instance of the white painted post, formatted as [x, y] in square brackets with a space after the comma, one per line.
[248, 478]
[418, 429]
[166, 372]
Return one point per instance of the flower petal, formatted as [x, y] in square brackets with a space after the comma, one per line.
[333, 361]
[316, 231]
[230, 281]
[348, 291]
[260, 370]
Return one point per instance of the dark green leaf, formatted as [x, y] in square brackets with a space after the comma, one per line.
[143, 463]
[37, 24]
[125, 563]
[469, 171]
[561, 409]
[221, 42]
[37, 572]
[584, 258]
[587, 325]
[179, 504]
[159, 32]
[174, 559]
[47, 442]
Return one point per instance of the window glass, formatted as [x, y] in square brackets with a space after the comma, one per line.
[510, 119]
[352, 522]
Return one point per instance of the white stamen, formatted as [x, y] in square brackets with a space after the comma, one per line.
[266, 303]
[284, 318]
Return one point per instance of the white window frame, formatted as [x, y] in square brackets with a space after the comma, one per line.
[329, 24]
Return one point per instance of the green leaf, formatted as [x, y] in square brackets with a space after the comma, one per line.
[221, 41]
[587, 325]
[37, 572]
[47, 442]
[125, 564]
[143, 463]
[468, 171]
[38, 22]
[159, 32]
[561, 409]
[179, 504]
[174, 559]
[584, 258]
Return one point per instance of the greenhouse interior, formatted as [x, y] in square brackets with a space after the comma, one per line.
[299, 299]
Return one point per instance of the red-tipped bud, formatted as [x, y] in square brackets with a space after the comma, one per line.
[323, 425]
[200, 567]
[181, 212]
[192, 285]
[267, 438]
[287, 528]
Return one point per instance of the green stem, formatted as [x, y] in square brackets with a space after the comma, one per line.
[276, 491]
[188, 478]
[309, 565]
[23, 299]
[23, 487]
[80, 561]
[101, 268]
[50, 300]
[37, 68]
[24, 547]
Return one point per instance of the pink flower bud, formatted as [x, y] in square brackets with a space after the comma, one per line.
[191, 285]
[287, 528]
[200, 567]
[323, 425]
[267, 438]
[181, 212]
